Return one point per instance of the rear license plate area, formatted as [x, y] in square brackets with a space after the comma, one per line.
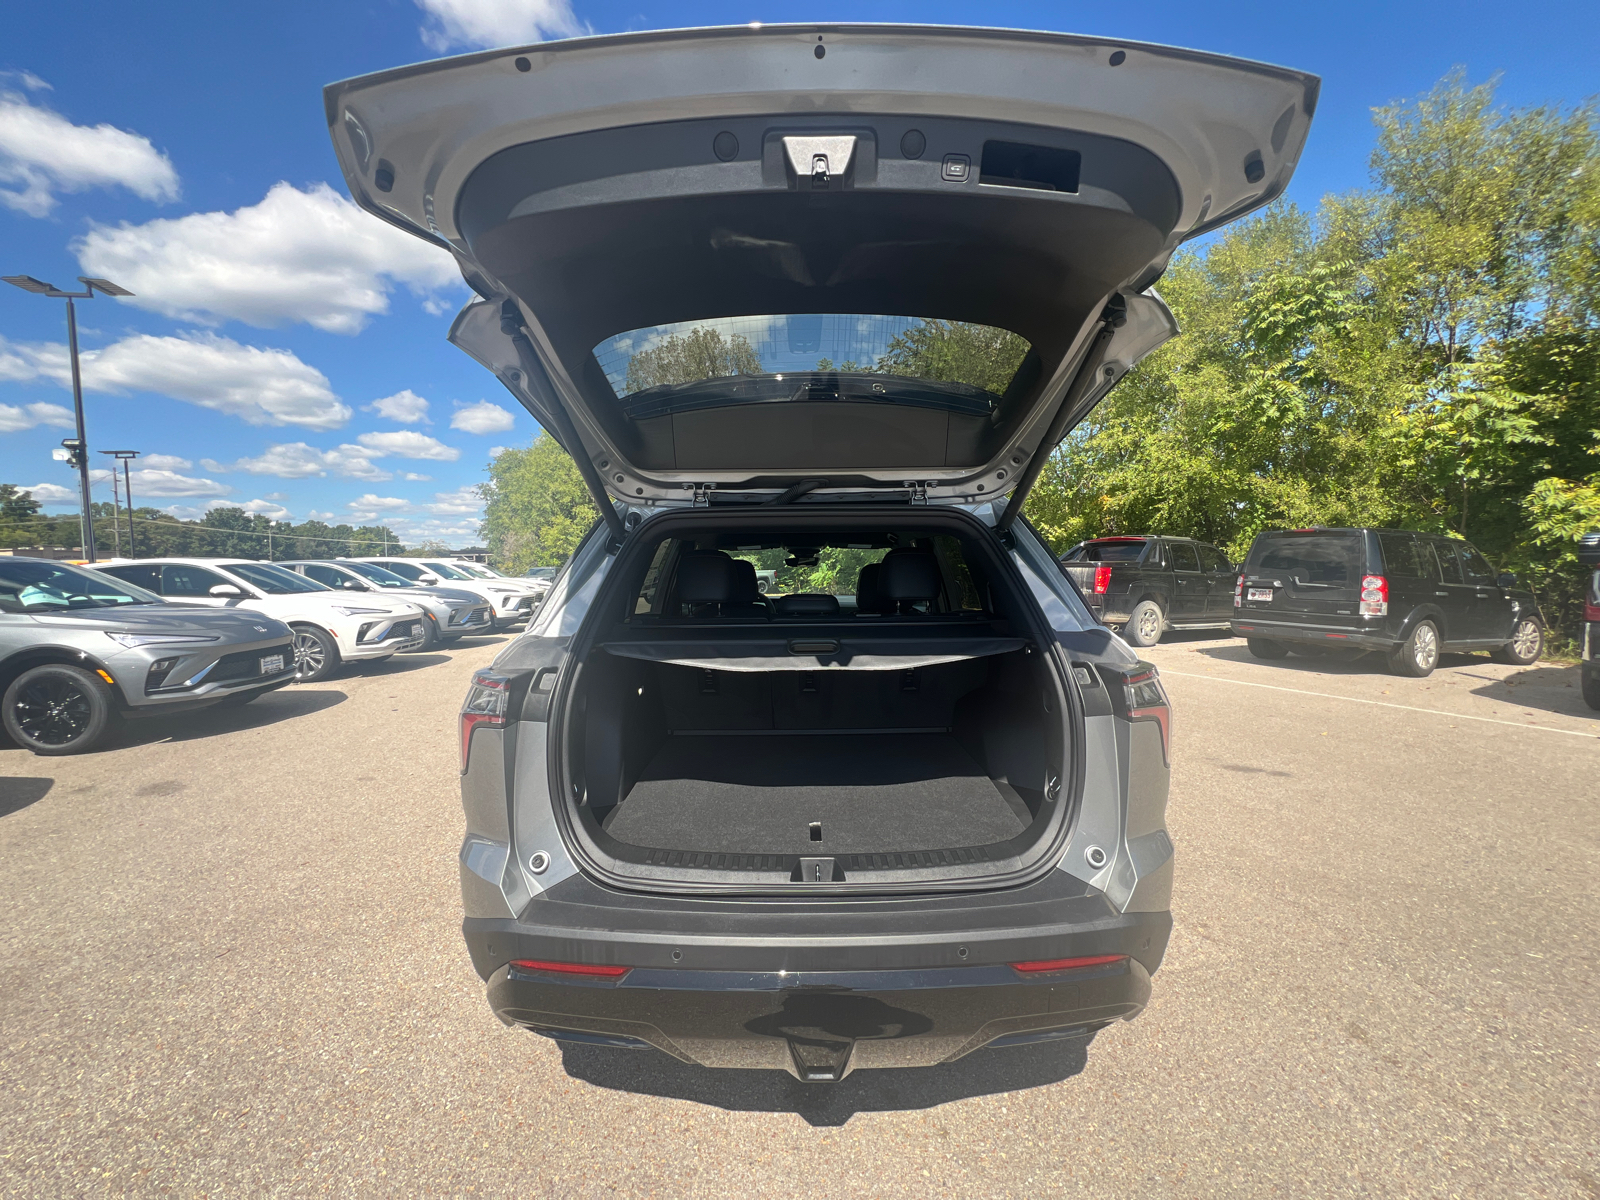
[271, 664]
[1259, 594]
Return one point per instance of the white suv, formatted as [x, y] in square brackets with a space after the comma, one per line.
[329, 627]
[510, 599]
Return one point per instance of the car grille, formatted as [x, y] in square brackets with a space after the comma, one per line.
[246, 664]
[526, 603]
[469, 616]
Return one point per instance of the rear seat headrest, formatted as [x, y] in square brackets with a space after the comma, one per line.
[809, 605]
[869, 590]
[706, 578]
[909, 575]
[746, 587]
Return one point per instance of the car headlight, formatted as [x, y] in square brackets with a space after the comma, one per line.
[159, 639]
[361, 612]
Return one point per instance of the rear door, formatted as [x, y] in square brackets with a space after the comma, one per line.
[1191, 588]
[1220, 580]
[1412, 571]
[1310, 577]
[1490, 618]
[188, 584]
[1456, 597]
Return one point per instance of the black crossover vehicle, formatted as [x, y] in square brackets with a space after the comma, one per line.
[799, 313]
[1407, 595]
[1146, 585]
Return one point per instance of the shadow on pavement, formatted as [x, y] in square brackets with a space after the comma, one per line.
[398, 664]
[1335, 662]
[17, 792]
[1545, 687]
[282, 705]
[982, 1073]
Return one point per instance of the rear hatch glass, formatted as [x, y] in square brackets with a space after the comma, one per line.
[1119, 550]
[1313, 573]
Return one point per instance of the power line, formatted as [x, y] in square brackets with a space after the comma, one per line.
[358, 536]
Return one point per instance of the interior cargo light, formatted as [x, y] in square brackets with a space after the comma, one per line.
[1067, 964]
[565, 968]
[485, 705]
[1374, 596]
[1102, 579]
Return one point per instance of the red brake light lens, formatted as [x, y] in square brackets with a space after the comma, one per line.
[485, 705]
[1102, 579]
[1067, 964]
[593, 970]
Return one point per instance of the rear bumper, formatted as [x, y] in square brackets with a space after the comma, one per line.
[826, 990]
[1318, 635]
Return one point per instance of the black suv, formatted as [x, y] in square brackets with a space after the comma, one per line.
[1589, 556]
[1146, 585]
[1409, 595]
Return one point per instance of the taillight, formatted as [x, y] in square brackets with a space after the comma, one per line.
[1102, 579]
[593, 970]
[1591, 602]
[1238, 592]
[1144, 699]
[1068, 964]
[485, 705]
[1374, 596]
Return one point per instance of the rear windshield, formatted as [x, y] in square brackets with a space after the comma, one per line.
[1120, 550]
[807, 351]
[1325, 558]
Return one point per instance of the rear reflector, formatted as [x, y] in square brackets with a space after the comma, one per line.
[594, 970]
[1067, 964]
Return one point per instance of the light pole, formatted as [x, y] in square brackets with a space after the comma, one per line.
[127, 491]
[90, 286]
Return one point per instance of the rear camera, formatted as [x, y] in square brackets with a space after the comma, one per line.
[524, 65]
[1118, 57]
[383, 177]
[1254, 169]
[726, 146]
[912, 144]
[821, 52]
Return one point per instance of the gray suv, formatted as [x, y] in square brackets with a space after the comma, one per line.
[79, 649]
[800, 314]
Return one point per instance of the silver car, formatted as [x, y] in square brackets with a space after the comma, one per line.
[818, 300]
[78, 649]
[450, 612]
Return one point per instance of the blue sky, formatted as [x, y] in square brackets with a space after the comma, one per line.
[288, 353]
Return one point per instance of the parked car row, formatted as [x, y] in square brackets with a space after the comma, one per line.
[81, 647]
[1409, 596]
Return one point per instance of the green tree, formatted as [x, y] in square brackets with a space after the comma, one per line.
[690, 357]
[955, 352]
[536, 507]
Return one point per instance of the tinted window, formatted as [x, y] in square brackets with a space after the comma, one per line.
[180, 579]
[274, 580]
[406, 571]
[1408, 557]
[444, 572]
[1214, 561]
[1449, 561]
[1475, 566]
[373, 573]
[145, 575]
[1183, 556]
[1310, 557]
[1121, 550]
[331, 576]
[42, 585]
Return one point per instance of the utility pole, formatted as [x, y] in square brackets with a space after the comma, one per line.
[116, 513]
[29, 284]
[127, 490]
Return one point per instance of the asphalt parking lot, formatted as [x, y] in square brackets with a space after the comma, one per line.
[233, 966]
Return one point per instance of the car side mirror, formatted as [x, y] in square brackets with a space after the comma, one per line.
[1507, 579]
[226, 591]
[355, 585]
[425, 577]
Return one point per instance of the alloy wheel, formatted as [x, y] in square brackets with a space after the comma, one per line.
[53, 712]
[1525, 642]
[309, 657]
[1149, 625]
[1425, 647]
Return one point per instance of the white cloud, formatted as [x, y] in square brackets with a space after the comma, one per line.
[497, 451]
[166, 462]
[406, 407]
[265, 508]
[297, 460]
[371, 503]
[314, 515]
[42, 153]
[170, 483]
[485, 23]
[460, 502]
[413, 477]
[53, 493]
[262, 387]
[275, 496]
[407, 443]
[14, 418]
[482, 417]
[308, 256]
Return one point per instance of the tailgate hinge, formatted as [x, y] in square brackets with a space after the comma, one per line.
[919, 492]
[702, 494]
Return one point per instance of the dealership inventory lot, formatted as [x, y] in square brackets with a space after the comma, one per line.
[234, 964]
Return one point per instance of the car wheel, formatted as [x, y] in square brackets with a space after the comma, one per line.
[431, 637]
[1145, 624]
[57, 709]
[1267, 648]
[1525, 646]
[1591, 689]
[1418, 654]
[315, 655]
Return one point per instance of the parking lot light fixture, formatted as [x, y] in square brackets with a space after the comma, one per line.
[90, 286]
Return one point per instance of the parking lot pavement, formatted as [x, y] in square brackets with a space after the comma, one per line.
[233, 966]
